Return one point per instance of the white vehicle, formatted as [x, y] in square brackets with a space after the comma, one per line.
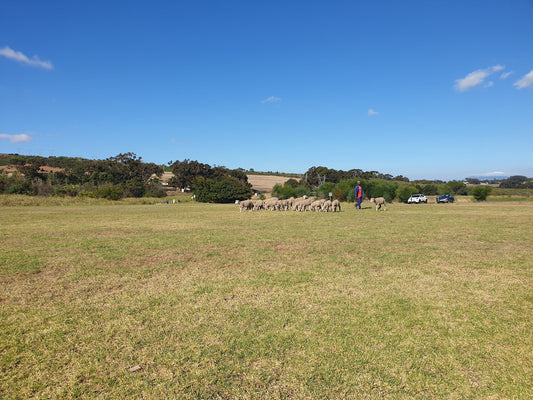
[417, 199]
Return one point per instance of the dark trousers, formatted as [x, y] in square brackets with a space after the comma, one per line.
[359, 201]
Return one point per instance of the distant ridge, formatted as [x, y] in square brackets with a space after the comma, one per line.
[489, 178]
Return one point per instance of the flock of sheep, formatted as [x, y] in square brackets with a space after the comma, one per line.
[300, 204]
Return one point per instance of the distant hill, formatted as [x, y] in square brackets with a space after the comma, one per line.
[489, 178]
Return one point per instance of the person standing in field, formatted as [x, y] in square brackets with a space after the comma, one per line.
[359, 193]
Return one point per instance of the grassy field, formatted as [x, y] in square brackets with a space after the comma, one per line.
[425, 302]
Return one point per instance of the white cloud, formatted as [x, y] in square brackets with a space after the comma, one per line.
[526, 81]
[495, 173]
[271, 99]
[506, 74]
[23, 138]
[476, 78]
[489, 84]
[372, 112]
[18, 56]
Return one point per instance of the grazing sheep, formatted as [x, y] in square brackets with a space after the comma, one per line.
[297, 204]
[245, 205]
[258, 205]
[316, 205]
[326, 206]
[379, 202]
[306, 203]
[290, 202]
[283, 205]
[336, 205]
[271, 204]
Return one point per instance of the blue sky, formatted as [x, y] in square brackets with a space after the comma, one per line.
[426, 89]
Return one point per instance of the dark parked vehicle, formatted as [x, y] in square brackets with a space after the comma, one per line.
[445, 198]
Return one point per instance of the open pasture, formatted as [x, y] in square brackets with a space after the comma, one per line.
[429, 302]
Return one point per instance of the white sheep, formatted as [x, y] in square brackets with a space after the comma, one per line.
[379, 202]
[258, 205]
[316, 205]
[326, 206]
[245, 205]
[336, 205]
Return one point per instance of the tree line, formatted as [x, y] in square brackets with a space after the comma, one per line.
[127, 175]
[389, 189]
[124, 175]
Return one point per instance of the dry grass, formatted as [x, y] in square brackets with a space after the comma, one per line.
[265, 183]
[430, 301]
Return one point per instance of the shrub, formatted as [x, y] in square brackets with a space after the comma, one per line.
[381, 189]
[301, 191]
[292, 183]
[135, 188]
[344, 191]
[283, 192]
[456, 187]
[156, 192]
[225, 190]
[404, 192]
[480, 193]
[324, 190]
[68, 190]
[429, 189]
[109, 192]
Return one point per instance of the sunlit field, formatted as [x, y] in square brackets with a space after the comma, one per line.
[200, 301]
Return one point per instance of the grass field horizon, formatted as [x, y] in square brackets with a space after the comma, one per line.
[430, 302]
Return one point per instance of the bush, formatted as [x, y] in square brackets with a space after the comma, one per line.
[456, 187]
[158, 193]
[480, 193]
[324, 190]
[381, 189]
[301, 191]
[225, 190]
[405, 191]
[344, 191]
[283, 192]
[68, 190]
[135, 188]
[429, 189]
[109, 192]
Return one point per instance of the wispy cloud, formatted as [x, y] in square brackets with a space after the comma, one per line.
[22, 138]
[476, 78]
[526, 81]
[506, 74]
[271, 99]
[372, 112]
[489, 84]
[494, 173]
[20, 57]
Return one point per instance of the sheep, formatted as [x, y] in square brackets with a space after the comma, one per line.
[316, 205]
[379, 202]
[271, 204]
[336, 205]
[283, 205]
[258, 205]
[326, 206]
[245, 205]
[306, 202]
[297, 204]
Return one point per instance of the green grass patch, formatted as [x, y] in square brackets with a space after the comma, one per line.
[430, 302]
